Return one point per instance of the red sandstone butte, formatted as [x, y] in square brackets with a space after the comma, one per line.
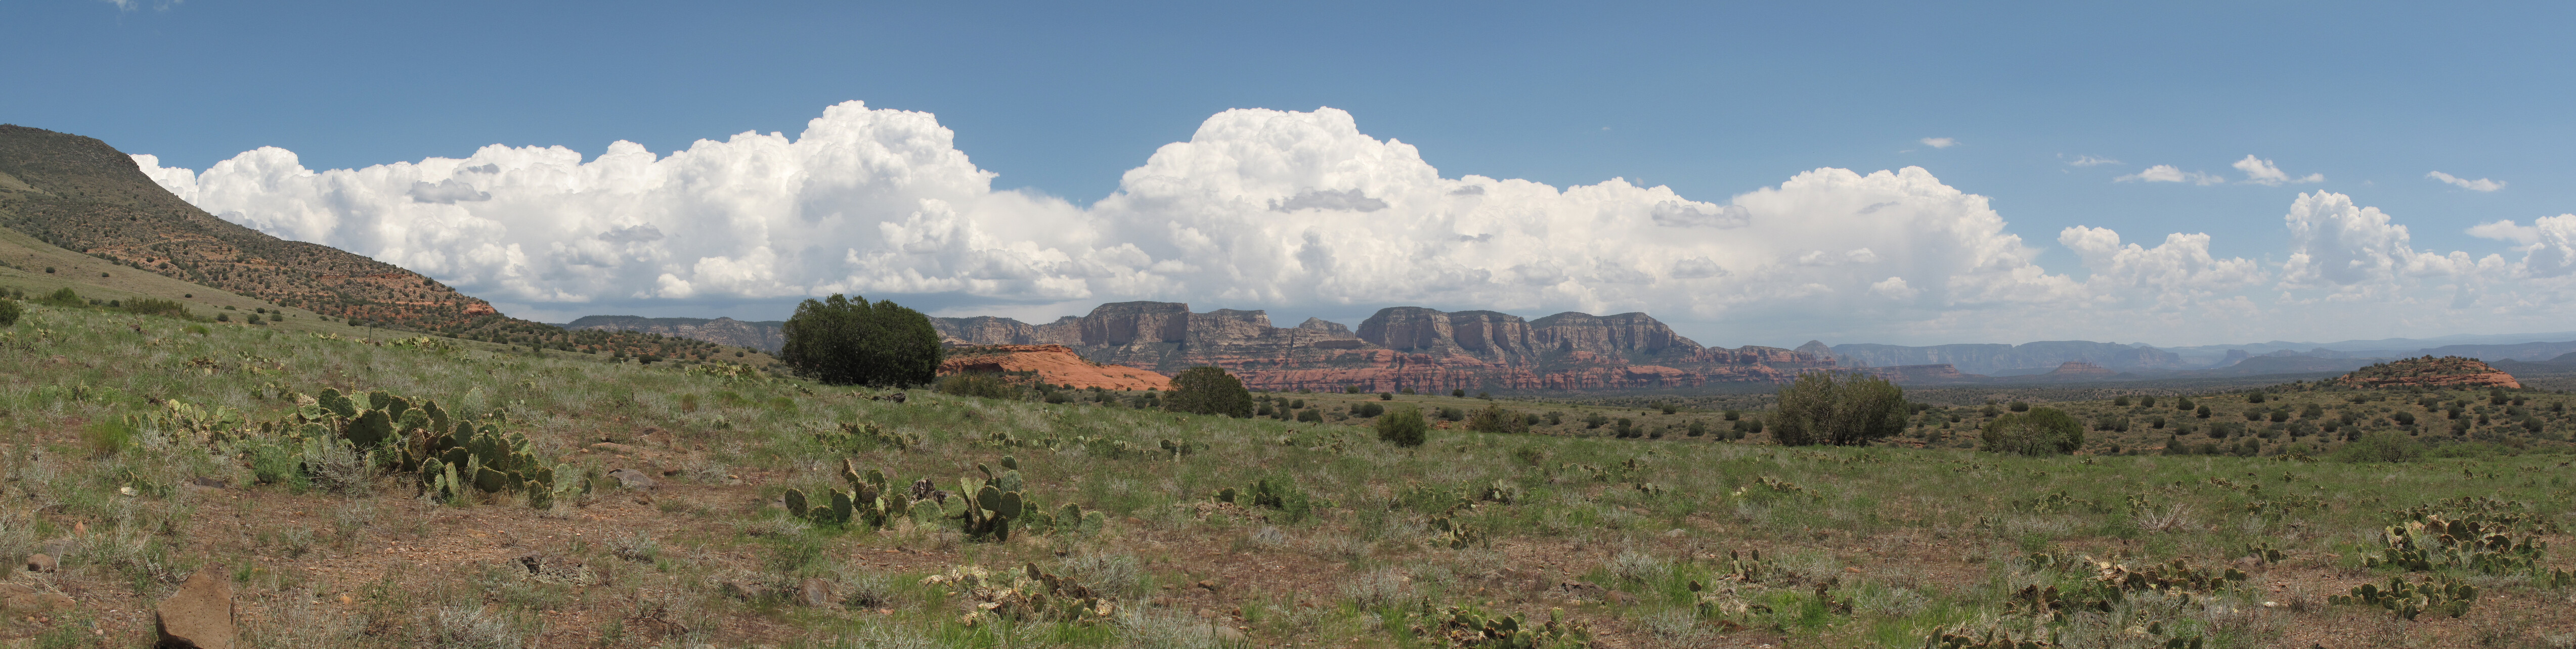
[1055, 364]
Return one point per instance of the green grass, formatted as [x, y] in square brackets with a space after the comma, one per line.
[1939, 536]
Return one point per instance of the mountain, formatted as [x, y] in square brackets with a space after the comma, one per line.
[80, 194]
[1397, 348]
[766, 335]
[1994, 358]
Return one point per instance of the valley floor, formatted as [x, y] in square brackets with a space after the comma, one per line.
[135, 455]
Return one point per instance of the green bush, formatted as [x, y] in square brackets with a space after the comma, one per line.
[9, 312]
[841, 340]
[63, 297]
[1497, 419]
[1838, 409]
[978, 384]
[2042, 431]
[1208, 390]
[107, 437]
[157, 306]
[1403, 427]
[2380, 447]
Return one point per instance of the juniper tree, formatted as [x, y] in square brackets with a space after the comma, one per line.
[842, 340]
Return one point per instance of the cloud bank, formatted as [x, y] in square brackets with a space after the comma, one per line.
[1302, 212]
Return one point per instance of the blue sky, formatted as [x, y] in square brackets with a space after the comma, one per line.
[1711, 101]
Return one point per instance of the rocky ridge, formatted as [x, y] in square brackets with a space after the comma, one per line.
[2429, 371]
[1397, 348]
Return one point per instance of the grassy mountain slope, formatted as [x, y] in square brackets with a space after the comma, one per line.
[81, 195]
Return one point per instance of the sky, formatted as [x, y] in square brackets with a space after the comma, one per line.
[1906, 173]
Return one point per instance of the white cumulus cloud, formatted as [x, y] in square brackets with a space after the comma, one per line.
[2171, 174]
[2479, 185]
[1294, 212]
[2263, 172]
[1940, 142]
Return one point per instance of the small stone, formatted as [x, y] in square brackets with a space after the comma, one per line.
[41, 562]
[200, 614]
[898, 397]
[79, 528]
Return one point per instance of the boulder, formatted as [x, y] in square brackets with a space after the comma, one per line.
[200, 615]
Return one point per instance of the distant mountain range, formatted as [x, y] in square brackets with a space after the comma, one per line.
[1397, 348]
[1426, 349]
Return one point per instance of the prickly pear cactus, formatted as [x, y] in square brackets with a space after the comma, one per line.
[795, 502]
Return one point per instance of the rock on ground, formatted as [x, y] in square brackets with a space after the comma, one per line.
[200, 615]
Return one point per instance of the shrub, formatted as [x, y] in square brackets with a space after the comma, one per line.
[2042, 431]
[1452, 414]
[63, 297]
[1403, 427]
[1310, 415]
[2021, 406]
[107, 437]
[1208, 390]
[157, 306]
[1458, 392]
[1839, 409]
[9, 312]
[978, 384]
[1496, 419]
[1368, 410]
[841, 340]
[1386, 396]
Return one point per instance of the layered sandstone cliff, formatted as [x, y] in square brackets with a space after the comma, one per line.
[1398, 348]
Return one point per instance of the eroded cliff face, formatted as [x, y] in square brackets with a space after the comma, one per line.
[1399, 347]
